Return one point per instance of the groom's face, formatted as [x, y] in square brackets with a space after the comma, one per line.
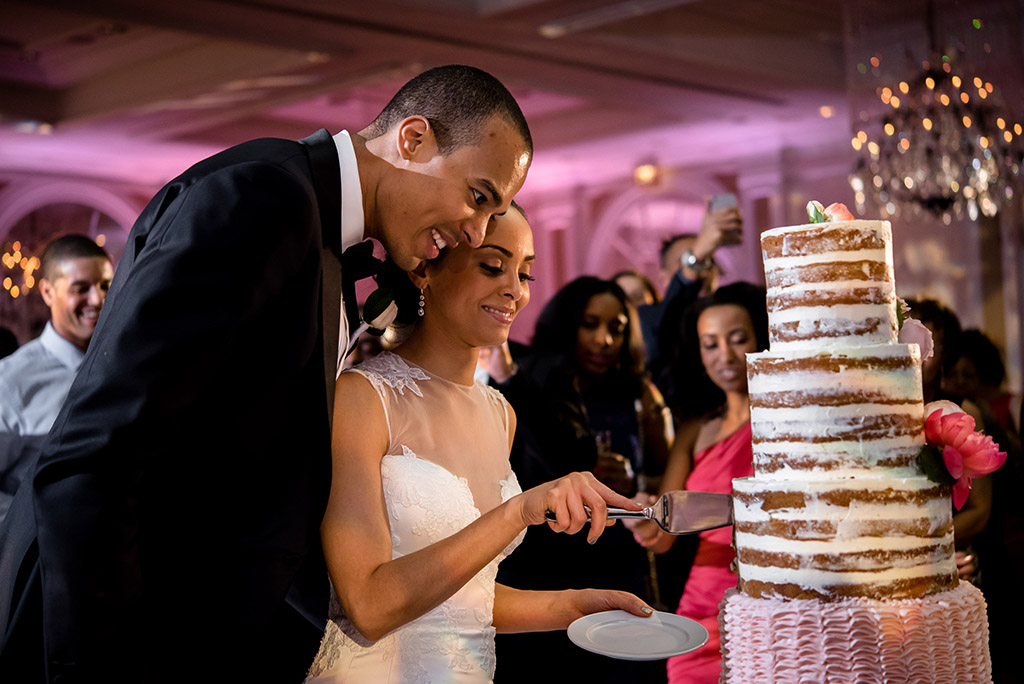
[441, 200]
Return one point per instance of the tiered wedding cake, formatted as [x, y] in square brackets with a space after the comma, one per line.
[844, 548]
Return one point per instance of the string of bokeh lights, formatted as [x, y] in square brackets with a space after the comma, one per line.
[19, 275]
[18, 284]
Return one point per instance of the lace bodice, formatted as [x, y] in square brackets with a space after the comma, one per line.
[447, 461]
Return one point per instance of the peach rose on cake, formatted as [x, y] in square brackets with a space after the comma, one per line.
[837, 211]
[818, 213]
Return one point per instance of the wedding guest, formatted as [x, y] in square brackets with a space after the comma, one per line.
[970, 520]
[584, 403]
[978, 374]
[710, 450]
[976, 378]
[176, 504]
[638, 287]
[424, 504]
[675, 261]
[688, 271]
[75, 274]
[945, 328]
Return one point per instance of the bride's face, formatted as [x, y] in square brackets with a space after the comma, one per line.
[475, 294]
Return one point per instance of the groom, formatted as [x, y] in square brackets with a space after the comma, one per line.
[169, 531]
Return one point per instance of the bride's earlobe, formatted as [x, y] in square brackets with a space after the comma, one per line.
[419, 276]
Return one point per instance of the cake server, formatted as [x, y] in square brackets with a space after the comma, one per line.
[681, 512]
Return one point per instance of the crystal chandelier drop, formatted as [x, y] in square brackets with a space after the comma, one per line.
[944, 145]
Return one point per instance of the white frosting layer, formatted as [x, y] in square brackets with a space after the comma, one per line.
[823, 421]
[868, 577]
[819, 315]
[896, 384]
[785, 263]
[834, 340]
[864, 471]
[815, 546]
[856, 353]
[831, 450]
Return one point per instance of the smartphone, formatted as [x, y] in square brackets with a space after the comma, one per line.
[723, 201]
[731, 235]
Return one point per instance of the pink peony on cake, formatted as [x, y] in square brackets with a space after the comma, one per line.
[844, 547]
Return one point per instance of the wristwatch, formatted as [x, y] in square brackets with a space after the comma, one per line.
[689, 260]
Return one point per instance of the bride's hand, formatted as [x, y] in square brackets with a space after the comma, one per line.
[587, 601]
[566, 498]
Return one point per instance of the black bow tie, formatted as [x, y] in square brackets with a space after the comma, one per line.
[358, 262]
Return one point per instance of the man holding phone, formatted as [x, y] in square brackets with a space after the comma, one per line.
[688, 271]
[691, 255]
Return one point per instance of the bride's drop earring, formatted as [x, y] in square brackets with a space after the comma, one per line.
[422, 302]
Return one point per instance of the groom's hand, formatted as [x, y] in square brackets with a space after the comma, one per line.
[568, 498]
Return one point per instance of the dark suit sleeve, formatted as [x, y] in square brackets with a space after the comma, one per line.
[660, 326]
[680, 293]
[212, 268]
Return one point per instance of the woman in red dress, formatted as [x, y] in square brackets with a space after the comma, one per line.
[712, 447]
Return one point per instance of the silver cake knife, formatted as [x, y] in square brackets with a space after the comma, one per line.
[681, 512]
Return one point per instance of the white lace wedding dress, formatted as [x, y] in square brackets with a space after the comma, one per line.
[447, 461]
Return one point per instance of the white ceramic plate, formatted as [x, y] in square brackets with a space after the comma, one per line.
[619, 634]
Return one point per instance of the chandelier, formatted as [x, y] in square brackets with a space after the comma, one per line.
[944, 145]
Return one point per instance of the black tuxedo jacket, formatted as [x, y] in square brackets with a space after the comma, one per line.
[170, 529]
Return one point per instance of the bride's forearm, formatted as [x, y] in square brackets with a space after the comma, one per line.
[401, 590]
[517, 610]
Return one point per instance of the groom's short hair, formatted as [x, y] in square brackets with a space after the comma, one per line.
[457, 100]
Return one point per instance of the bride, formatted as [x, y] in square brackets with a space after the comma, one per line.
[423, 503]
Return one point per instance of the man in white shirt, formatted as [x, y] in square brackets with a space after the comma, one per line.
[35, 379]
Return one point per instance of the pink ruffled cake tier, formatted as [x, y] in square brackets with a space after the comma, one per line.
[939, 639]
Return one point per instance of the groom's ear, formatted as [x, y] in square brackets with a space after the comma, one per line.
[418, 275]
[415, 139]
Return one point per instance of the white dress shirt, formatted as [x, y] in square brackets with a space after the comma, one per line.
[352, 222]
[34, 381]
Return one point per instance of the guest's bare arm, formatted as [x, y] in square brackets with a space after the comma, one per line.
[517, 610]
[379, 593]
